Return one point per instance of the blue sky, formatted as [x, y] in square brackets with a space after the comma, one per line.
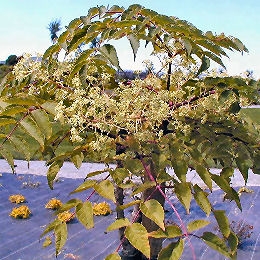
[23, 26]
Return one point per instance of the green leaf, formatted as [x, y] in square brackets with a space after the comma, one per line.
[202, 200]
[53, 171]
[122, 222]
[77, 159]
[173, 251]
[50, 106]
[23, 100]
[7, 121]
[138, 237]
[105, 189]
[130, 204]
[7, 155]
[114, 256]
[224, 185]
[13, 110]
[42, 120]
[109, 52]
[84, 186]
[50, 51]
[183, 193]
[204, 175]
[205, 64]
[119, 175]
[84, 213]
[243, 165]
[234, 108]
[170, 232]
[47, 242]
[153, 210]
[68, 205]
[187, 46]
[143, 187]
[50, 227]
[216, 243]
[135, 44]
[33, 130]
[223, 222]
[233, 242]
[180, 167]
[197, 224]
[61, 235]
[21, 145]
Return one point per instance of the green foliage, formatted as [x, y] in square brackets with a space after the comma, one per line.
[79, 110]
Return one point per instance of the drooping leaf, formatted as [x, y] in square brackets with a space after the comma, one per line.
[216, 243]
[202, 200]
[138, 237]
[197, 224]
[84, 213]
[183, 192]
[204, 175]
[77, 159]
[173, 251]
[42, 120]
[7, 155]
[109, 52]
[84, 186]
[205, 64]
[233, 242]
[21, 145]
[223, 222]
[50, 227]
[122, 222]
[180, 168]
[61, 235]
[105, 189]
[53, 171]
[135, 44]
[153, 210]
[33, 129]
[225, 186]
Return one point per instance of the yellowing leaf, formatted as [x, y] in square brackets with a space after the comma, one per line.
[114, 256]
[138, 237]
[84, 186]
[183, 192]
[122, 222]
[105, 189]
[84, 213]
[153, 210]
[61, 235]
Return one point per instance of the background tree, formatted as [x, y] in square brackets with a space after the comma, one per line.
[54, 27]
[75, 110]
[11, 60]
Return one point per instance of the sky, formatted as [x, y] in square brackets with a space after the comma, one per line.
[23, 26]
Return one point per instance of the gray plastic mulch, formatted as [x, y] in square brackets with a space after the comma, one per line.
[20, 238]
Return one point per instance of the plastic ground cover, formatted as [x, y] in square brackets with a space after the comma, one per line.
[20, 239]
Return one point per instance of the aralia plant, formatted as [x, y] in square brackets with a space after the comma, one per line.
[178, 117]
